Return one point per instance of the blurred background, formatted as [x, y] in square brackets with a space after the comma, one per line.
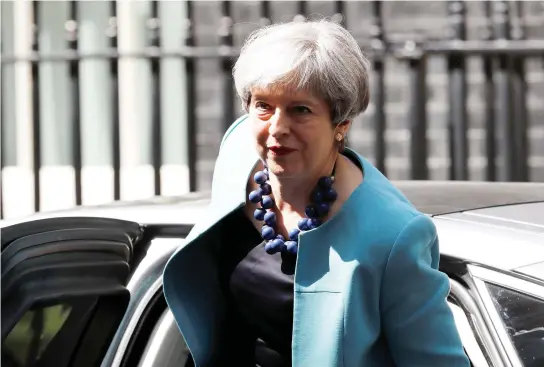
[123, 100]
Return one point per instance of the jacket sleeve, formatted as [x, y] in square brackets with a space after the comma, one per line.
[418, 323]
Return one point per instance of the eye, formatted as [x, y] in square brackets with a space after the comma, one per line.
[301, 110]
[262, 106]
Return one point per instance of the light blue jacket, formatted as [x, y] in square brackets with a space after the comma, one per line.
[367, 289]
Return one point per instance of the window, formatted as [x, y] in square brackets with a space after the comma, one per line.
[166, 347]
[30, 337]
[45, 332]
[64, 289]
[523, 318]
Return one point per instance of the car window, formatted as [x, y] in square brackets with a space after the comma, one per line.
[45, 332]
[32, 334]
[166, 347]
[523, 318]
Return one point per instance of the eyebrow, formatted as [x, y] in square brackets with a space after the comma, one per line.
[295, 101]
[303, 101]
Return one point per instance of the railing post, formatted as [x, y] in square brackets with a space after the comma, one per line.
[302, 10]
[264, 13]
[2, 124]
[226, 42]
[190, 90]
[457, 116]
[114, 86]
[519, 89]
[156, 135]
[489, 90]
[36, 111]
[339, 15]
[72, 34]
[378, 55]
[2, 128]
[506, 134]
[417, 111]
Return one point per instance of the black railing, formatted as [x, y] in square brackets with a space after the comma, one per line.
[503, 49]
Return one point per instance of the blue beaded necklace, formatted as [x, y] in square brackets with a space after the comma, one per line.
[321, 199]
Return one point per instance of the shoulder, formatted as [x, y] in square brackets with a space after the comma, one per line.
[383, 216]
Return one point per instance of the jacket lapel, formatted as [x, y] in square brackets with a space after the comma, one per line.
[190, 276]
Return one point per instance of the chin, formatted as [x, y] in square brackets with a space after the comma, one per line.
[282, 169]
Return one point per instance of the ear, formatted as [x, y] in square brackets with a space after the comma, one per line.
[343, 127]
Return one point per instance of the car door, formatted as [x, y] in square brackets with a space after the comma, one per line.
[64, 288]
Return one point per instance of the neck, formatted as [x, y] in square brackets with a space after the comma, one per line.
[293, 194]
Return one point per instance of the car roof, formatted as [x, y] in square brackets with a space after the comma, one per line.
[498, 214]
[442, 197]
[430, 197]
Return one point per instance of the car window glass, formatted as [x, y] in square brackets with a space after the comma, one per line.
[523, 318]
[44, 331]
[32, 334]
[166, 347]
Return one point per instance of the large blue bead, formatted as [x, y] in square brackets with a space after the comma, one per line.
[313, 223]
[260, 177]
[267, 202]
[303, 224]
[322, 209]
[293, 234]
[325, 182]
[330, 194]
[310, 211]
[291, 247]
[317, 196]
[278, 244]
[270, 218]
[269, 248]
[255, 196]
[259, 213]
[266, 189]
[268, 232]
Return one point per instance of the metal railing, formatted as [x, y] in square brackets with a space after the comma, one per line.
[503, 49]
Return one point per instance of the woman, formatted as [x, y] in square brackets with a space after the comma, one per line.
[308, 256]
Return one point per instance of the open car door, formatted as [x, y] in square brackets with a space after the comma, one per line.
[64, 289]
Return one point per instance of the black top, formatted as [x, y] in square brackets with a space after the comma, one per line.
[258, 288]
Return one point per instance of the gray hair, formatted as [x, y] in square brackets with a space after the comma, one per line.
[320, 56]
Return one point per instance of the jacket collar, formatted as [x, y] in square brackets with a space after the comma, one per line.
[236, 160]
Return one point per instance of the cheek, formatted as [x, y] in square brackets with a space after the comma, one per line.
[315, 141]
[308, 137]
[260, 131]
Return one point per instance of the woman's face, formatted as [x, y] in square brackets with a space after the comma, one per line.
[293, 131]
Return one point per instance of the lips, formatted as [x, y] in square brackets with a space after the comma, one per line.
[280, 151]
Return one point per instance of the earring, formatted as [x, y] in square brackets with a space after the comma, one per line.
[340, 140]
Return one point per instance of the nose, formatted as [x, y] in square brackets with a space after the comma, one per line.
[279, 124]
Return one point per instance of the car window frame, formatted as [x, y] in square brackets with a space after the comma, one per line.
[515, 282]
[144, 286]
[158, 344]
[461, 296]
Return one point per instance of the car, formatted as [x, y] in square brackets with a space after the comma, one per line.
[83, 287]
